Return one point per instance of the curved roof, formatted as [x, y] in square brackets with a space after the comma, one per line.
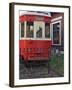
[35, 13]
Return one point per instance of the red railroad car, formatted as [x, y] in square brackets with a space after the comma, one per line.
[35, 40]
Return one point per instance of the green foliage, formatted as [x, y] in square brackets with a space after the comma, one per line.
[57, 63]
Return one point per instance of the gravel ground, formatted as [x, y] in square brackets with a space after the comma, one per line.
[36, 70]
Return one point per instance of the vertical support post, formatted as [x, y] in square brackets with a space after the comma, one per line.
[25, 28]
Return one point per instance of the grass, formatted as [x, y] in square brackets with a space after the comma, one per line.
[57, 63]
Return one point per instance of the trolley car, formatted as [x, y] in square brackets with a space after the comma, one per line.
[35, 40]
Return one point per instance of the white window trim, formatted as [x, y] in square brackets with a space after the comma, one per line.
[34, 30]
[59, 21]
[43, 31]
[19, 30]
[33, 38]
[25, 29]
[55, 19]
[51, 31]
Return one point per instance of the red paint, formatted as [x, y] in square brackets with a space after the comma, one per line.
[35, 18]
[35, 49]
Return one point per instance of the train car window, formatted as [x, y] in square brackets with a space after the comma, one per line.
[47, 30]
[56, 33]
[22, 29]
[39, 29]
[39, 32]
[29, 30]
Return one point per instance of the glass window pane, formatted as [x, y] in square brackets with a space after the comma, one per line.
[39, 32]
[39, 29]
[30, 30]
[22, 29]
[47, 30]
[56, 31]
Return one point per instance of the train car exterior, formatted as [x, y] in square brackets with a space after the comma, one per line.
[35, 40]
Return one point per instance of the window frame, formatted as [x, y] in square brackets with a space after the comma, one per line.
[26, 30]
[20, 30]
[49, 31]
[55, 22]
[42, 30]
[34, 33]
